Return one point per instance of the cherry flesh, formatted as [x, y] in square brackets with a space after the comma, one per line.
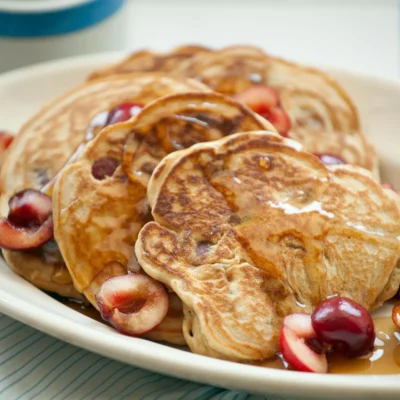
[134, 304]
[296, 331]
[5, 139]
[29, 208]
[265, 101]
[29, 223]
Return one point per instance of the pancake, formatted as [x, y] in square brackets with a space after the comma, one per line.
[49, 140]
[250, 228]
[318, 107]
[320, 111]
[150, 61]
[97, 219]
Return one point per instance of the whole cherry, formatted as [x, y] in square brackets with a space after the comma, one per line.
[344, 324]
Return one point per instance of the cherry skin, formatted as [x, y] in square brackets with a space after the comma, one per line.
[265, 101]
[396, 315]
[122, 112]
[344, 324]
[5, 139]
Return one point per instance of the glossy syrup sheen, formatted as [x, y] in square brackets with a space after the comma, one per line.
[385, 358]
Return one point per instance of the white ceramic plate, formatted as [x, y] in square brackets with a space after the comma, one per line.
[24, 91]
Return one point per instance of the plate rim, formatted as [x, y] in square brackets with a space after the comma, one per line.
[175, 362]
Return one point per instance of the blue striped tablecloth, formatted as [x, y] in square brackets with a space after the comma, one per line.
[34, 365]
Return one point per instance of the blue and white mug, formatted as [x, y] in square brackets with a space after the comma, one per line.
[33, 31]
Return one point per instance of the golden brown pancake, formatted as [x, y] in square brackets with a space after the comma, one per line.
[48, 140]
[250, 228]
[97, 220]
[150, 61]
[318, 107]
[321, 113]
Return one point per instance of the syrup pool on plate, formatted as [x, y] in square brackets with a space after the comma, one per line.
[384, 359]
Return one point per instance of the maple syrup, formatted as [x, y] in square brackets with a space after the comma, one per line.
[383, 360]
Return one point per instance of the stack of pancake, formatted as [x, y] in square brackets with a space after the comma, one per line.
[240, 181]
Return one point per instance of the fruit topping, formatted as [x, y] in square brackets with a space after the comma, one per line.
[134, 304]
[122, 112]
[29, 223]
[259, 98]
[344, 324]
[265, 101]
[296, 330]
[103, 167]
[5, 140]
[278, 117]
[396, 315]
[330, 159]
[338, 323]
[29, 208]
[18, 238]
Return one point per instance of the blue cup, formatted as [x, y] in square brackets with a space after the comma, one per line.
[32, 31]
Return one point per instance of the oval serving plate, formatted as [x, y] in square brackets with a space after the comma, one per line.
[24, 91]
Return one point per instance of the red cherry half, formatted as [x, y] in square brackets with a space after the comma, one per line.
[134, 304]
[29, 223]
[296, 330]
[29, 208]
[265, 101]
[5, 140]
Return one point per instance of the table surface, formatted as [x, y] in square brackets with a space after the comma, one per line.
[359, 34]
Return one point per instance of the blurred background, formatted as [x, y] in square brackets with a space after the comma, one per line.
[361, 35]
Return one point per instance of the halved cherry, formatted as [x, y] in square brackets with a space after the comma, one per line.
[296, 330]
[29, 223]
[259, 98]
[396, 315]
[279, 119]
[5, 140]
[18, 238]
[134, 304]
[265, 101]
[29, 208]
[122, 112]
[330, 159]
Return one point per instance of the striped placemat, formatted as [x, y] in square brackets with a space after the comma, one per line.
[34, 365]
